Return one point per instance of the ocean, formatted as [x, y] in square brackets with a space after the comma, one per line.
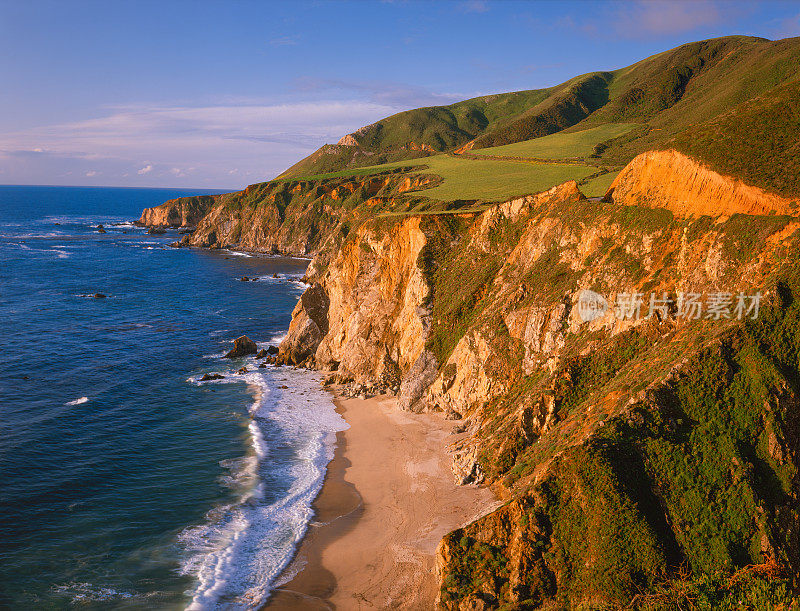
[125, 481]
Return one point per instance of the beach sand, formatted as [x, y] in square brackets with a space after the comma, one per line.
[388, 498]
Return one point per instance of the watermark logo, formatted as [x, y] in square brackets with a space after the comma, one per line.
[591, 305]
[689, 306]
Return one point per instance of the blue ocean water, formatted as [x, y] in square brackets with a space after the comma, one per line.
[125, 482]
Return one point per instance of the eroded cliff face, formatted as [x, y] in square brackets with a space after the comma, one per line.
[671, 180]
[591, 427]
[301, 217]
[183, 212]
[376, 318]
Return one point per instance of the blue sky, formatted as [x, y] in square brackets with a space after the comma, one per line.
[223, 94]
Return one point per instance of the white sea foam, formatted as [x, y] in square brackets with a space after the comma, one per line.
[243, 547]
[276, 339]
[78, 401]
[293, 280]
[86, 592]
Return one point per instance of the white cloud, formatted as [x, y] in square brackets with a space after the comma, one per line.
[90, 173]
[260, 140]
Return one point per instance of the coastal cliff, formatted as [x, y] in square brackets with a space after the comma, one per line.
[292, 217]
[677, 433]
[623, 372]
[649, 456]
[183, 212]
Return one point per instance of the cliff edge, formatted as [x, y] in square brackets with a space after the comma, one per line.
[671, 180]
[659, 446]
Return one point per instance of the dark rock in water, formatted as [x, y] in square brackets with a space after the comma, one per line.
[156, 231]
[184, 242]
[245, 279]
[242, 346]
[99, 296]
[272, 350]
[271, 360]
[275, 276]
[242, 370]
[283, 387]
[101, 229]
[262, 354]
[212, 376]
[262, 366]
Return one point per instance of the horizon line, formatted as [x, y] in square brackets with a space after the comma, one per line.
[226, 189]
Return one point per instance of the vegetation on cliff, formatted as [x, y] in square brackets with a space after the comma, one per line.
[647, 463]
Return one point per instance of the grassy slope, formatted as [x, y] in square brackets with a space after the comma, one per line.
[478, 179]
[757, 141]
[562, 145]
[676, 98]
[441, 128]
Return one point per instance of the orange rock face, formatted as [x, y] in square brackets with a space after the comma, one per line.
[668, 179]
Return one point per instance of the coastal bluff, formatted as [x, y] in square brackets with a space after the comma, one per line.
[646, 442]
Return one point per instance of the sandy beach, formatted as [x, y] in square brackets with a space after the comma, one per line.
[388, 498]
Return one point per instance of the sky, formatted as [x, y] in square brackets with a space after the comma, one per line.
[222, 94]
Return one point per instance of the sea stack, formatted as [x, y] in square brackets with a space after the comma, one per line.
[242, 346]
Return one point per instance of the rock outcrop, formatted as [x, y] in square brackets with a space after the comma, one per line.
[369, 304]
[309, 325]
[185, 212]
[671, 180]
[242, 346]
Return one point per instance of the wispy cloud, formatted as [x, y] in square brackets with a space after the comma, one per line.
[642, 19]
[198, 145]
[400, 96]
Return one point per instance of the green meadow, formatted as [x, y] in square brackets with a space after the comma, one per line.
[487, 179]
[573, 145]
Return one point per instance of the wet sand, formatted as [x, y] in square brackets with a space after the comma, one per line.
[388, 498]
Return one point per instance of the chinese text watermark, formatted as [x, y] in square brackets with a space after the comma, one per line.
[688, 306]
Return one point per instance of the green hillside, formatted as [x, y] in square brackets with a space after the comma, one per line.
[723, 101]
[561, 145]
[486, 180]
